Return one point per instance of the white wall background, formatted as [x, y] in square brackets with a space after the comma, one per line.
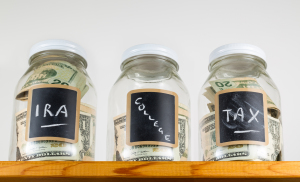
[192, 28]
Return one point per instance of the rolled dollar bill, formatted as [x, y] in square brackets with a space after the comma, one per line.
[214, 153]
[273, 150]
[245, 82]
[211, 107]
[57, 150]
[55, 72]
[124, 152]
[210, 94]
[245, 152]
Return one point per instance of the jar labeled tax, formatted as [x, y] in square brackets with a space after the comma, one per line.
[148, 117]
[55, 106]
[239, 108]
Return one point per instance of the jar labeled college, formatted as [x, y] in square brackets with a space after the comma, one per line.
[148, 118]
[55, 106]
[239, 108]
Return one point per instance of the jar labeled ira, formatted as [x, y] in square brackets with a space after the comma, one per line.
[148, 118]
[54, 106]
[239, 108]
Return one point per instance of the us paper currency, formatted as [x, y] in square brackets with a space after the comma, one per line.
[124, 152]
[210, 94]
[55, 72]
[57, 150]
[273, 150]
[245, 82]
[211, 107]
[212, 152]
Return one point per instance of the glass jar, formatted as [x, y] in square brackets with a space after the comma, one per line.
[148, 111]
[55, 106]
[239, 108]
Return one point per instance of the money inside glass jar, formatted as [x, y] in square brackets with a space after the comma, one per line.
[55, 106]
[124, 152]
[148, 108]
[240, 117]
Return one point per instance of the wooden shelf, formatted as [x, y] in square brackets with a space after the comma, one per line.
[145, 171]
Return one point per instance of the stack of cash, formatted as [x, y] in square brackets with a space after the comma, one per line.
[124, 152]
[63, 73]
[212, 152]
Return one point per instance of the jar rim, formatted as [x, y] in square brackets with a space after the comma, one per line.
[133, 58]
[37, 54]
[256, 58]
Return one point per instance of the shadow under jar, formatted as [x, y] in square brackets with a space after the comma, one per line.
[148, 111]
[55, 106]
[239, 108]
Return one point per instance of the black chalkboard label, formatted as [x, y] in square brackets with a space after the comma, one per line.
[152, 118]
[241, 117]
[53, 113]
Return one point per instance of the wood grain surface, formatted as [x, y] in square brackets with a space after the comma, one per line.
[145, 171]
